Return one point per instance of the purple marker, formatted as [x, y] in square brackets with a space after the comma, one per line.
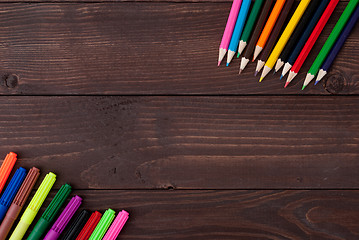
[64, 219]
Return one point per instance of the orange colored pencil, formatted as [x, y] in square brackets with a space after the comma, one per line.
[268, 27]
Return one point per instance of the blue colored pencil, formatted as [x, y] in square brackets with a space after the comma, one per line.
[241, 20]
[338, 45]
[305, 35]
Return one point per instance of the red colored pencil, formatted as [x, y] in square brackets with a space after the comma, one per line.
[311, 40]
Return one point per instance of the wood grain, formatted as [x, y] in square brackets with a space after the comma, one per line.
[139, 48]
[187, 142]
[252, 215]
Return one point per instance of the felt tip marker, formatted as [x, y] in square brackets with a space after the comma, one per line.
[19, 202]
[6, 168]
[11, 191]
[64, 219]
[89, 226]
[116, 226]
[50, 213]
[34, 206]
[103, 225]
[77, 225]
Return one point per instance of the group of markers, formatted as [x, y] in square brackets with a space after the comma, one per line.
[261, 36]
[87, 225]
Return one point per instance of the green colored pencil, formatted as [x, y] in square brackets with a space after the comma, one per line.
[330, 42]
[249, 25]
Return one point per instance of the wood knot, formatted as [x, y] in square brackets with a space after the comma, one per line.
[335, 83]
[10, 80]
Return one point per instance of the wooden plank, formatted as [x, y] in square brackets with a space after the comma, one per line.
[139, 48]
[252, 215]
[187, 142]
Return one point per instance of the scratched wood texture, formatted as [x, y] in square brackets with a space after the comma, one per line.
[140, 48]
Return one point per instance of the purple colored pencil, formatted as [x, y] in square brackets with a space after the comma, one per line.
[338, 45]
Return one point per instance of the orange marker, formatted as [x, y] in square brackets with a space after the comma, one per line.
[268, 27]
[6, 168]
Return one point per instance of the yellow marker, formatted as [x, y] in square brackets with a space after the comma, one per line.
[285, 37]
[34, 207]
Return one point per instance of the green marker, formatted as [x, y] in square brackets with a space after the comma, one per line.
[249, 26]
[330, 42]
[50, 213]
[103, 225]
[33, 207]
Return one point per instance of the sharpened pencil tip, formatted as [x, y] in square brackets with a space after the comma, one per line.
[281, 76]
[286, 84]
[255, 73]
[219, 63]
[227, 64]
[274, 72]
[238, 54]
[261, 79]
[303, 87]
[316, 82]
[240, 71]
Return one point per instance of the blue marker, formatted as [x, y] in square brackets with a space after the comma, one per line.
[11, 190]
[241, 20]
[338, 45]
[303, 39]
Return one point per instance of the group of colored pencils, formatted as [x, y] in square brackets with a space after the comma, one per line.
[268, 34]
[87, 225]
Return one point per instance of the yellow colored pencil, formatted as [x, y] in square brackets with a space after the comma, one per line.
[284, 37]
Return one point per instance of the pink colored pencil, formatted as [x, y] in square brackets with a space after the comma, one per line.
[116, 226]
[227, 35]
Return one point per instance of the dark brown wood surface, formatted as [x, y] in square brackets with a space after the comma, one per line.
[101, 93]
[253, 215]
[141, 48]
[187, 142]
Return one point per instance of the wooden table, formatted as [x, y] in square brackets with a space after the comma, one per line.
[123, 100]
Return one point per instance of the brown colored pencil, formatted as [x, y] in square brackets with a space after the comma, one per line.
[274, 36]
[248, 51]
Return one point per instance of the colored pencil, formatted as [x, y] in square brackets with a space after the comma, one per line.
[254, 38]
[247, 31]
[284, 37]
[304, 37]
[338, 45]
[226, 38]
[274, 36]
[311, 41]
[330, 42]
[303, 23]
[242, 16]
[268, 27]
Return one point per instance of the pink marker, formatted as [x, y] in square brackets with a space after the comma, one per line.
[116, 226]
[227, 35]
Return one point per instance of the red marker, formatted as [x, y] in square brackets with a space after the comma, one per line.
[89, 226]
